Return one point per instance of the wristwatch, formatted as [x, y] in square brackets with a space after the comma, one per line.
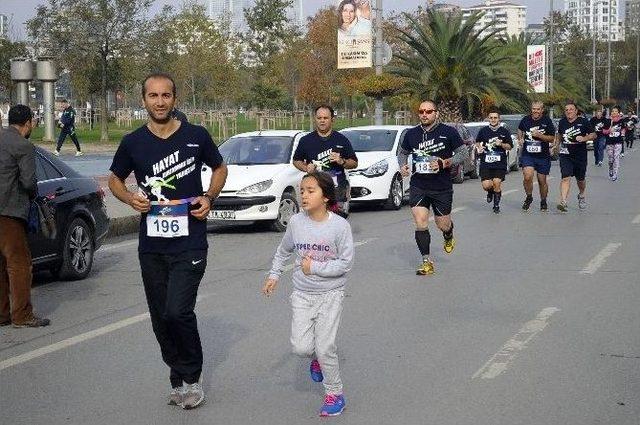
[209, 197]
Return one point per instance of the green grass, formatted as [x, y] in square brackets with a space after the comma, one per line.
[117, 133]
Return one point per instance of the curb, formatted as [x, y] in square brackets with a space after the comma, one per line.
[120, 226]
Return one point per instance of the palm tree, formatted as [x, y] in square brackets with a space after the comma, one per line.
[446, 60]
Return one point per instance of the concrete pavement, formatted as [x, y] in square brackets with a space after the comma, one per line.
[548, 300]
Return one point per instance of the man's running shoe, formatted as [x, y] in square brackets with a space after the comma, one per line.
[562, 206]
[449, 245]
[426, 268]
[614, 178]
[543, 205]
[315, 371]
[333, 405]
[56, 152]
[489, 197]
[582, 202]
[193, 396]
[599, 164]
[175, 396]
[79, 153]
[622, 155]
[496, 210]
[527, 202]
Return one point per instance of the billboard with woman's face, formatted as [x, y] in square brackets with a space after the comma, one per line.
[355, 34]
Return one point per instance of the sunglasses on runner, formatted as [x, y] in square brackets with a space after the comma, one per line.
[426, 111]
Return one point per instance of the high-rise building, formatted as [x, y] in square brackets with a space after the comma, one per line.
[4, 26]
[597, 17]
[234, 10]
[507, 17]
[536, 31]
[632, 16]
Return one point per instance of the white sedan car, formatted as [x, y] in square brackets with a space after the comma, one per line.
[377, 178]
[263, 183]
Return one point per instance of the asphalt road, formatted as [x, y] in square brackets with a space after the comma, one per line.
[532, 320]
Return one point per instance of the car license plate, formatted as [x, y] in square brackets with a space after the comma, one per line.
[222, 215]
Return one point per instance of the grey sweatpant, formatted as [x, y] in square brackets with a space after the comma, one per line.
[314, 327]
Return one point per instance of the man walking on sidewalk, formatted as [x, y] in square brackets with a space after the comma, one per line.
[18, 188]
[166, 156]
[68, 125]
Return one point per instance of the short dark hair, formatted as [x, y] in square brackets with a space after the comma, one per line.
[327, 107]
[158, 75]
[493, 110]
[617, 107]
[20, 114]
[325, 181]
[571, 102]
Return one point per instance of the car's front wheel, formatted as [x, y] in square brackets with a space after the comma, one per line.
[396, 193]
[77, 251]
[287, 208]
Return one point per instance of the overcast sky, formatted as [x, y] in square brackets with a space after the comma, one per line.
[22, 10]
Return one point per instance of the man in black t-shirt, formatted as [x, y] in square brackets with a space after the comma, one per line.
[573, 134]
[598, 122]
[166, 156]
[327, 150]
[492, 144]
[434, 148]
[631, 123]
[535, 133]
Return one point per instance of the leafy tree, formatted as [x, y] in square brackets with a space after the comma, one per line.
[448, 61]
[82, 33]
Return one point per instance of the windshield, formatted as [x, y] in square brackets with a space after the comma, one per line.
[257, 150]
[371, 140]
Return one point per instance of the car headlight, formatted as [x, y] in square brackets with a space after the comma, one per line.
[377, 169]
[256, 188]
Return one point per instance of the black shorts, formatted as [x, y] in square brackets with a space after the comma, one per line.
[490, 174]
[573, 167]
[440, 202]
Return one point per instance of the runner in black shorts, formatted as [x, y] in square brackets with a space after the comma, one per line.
[492, 144]
[571, 140]
[434, 148]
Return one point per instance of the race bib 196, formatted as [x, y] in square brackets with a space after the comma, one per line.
[168, 219]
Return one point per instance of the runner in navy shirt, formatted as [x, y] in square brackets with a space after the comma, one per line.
[535, 132]
[328, 150]
[631, 123]
[166, 157]
[615, 132]
[598, 123]
[492, 144]
[573, 134]
[434, 148]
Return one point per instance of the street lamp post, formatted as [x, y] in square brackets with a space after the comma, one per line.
[378, 116]
[609, 55]
[638, 70]
[551, 53]
[593, 52]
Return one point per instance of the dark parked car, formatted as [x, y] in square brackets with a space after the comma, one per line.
[80, 216]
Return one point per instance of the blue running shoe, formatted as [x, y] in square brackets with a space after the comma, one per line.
[315, 371]
[333, 405]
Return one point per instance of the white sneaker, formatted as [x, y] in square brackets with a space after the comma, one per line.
[79, 153]
[56, 152]
[175, 396]
[193, 396]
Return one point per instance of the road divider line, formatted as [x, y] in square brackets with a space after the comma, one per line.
[500, 361]
[509, 192]
[636, 220]
[600, 258]
[453, 211]
[69, 342]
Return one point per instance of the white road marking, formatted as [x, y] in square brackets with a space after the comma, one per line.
[636, 220]
[455, 210]
[119, 245]
[509, 192]
[600, 258]
[43, 351]
[499, 362]
[69, 342]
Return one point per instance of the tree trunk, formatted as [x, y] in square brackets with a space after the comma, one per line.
[350, 110]
[193, 90]
[104, 113]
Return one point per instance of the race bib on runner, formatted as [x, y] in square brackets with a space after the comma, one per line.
[490, 159]
[424, 167]
[534, 147]
[168, 219]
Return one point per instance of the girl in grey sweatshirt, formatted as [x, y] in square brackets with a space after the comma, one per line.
[323, 248]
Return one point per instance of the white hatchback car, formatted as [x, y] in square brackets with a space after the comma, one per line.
[263, 183]
[377, 178]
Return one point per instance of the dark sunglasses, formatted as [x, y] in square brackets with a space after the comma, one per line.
[426, 111]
